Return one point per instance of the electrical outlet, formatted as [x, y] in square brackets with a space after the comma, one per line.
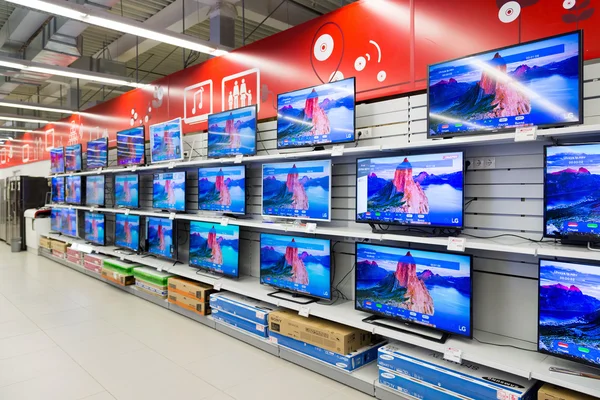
[363, 132]
[353, 239]
[489, 162]
[478, 163]
[186, 154]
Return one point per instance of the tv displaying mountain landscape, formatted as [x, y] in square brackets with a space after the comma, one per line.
[296, 264]
[166, 141]
[73, 158]
[69, 222]
[73, 189]
[536, 83]
[232, 133]
[127, 191]
[168, 191]
[97, 153]
[57, 160]
[569, 311]
[56, 220]
[300, 190]
[222, 189]
[94, 228]
[427, 288]
[215, 248]
[57, 189]
[127, 231]
[424, 190]
[94, 190]
[131, 147]
[162, 237]
[572, 191]
[317, 115]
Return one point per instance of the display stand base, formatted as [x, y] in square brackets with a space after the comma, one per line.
[424, 332]
[294, 298]
[124, 252]
[318, 148]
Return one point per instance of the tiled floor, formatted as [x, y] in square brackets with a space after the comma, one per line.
[64, 335]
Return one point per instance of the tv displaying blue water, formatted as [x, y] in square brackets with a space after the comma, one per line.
[57, 160]
[168, 191]
[423, 287]
[232, 133]
[94, 190]
[73, 189]
[536, 83]
[161, 237]
[127, 191]
[317, 115]
[97, 153]
[222, 189]
[56, 220]
[423, 190]
[94, 228]
[166, 141]
[131, 147]
[215, 247]
[569, 317]
[299, 190]
[69, 222]
[73, 158]
[57, 189]
[296, 264]
[127, 231]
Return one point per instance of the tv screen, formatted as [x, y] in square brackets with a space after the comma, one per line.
[299, 190]
[222, 189]
[127, 190]
[73, 189]
[97, 153]
[94, 228]
[428, 288]
[535, 83]
[215, 248]
[58, 189]
[232, 132]
[423, 189]
[131, 147]
[161, 236]
[569, 308]
[56, 220]
[166, 141]
[69, 222]
[127, 231]
[296, 264]
[73, 158]
[168, 191]
[94, 190]
[57, 160]
[317, 115]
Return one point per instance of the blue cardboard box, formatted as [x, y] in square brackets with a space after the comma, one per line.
[245, 307]
[416, 389]
[348, 362]
[238, 322]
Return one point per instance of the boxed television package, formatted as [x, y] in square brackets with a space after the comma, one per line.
[418, 389]
[151, 281]
[245, 307]
[553, 392]
[242, 323]
[118, 278]
[94, 262]
[469, 379]
[59, 246]
[74, 260]
[74, 254]
[340, 339]
[45, 243]
[122, 267]
[58, 254]
[188, 303]
[190, 289]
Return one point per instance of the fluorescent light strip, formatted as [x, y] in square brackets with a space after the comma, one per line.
[20, 119]
[19, 130]
[27, 106]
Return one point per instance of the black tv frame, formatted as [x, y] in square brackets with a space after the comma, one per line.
[174, 245]
[53, 150]
[115, 195]
[103, 233]
[143, 160]
[184, 191]
[139, 220]
[79, 155]
[81, 189]
[245, 191]
[87, 202]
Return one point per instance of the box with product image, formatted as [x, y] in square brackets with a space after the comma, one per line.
[118, 278]
[152, 281]
[417, 389]
[122, 267]
[188, 303]
[469, 379]
[151, 288]
[319, 332]
[190, 289]
[75, 254]
[94, 262]
[245, 307]
[45, 243]
[59, 246]
[242, 323]
[553, 392]
[59, 254]
[74, 260]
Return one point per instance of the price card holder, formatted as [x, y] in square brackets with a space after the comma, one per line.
[456, 244]
[224, 221]
[453, 354]
[121, 258]
[134, 168]
[238, 159]
[337, 150]
[98, 171]
[92, 209]
[171, 216]
[159, 269]
[171, 165]
[127, 211]
[311, 227]
[217, 286]
[75, 246]
[526, 134]
[304, 311]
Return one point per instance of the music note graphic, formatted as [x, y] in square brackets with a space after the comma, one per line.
[197, 102]
[198, 92]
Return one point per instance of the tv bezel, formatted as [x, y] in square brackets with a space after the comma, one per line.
[59, 211]
[115, 192]
[52, 191]
[422, 226]
[245, 192]
[287, 290]
[87, 155]
[87, 198]
[409, 322]
[319, 144]
[66, 211]
[175, 244]
[81, 186]
[53, 150]
[297, 218]
[152, 142]
[137, 249]
[212, 271]
[184, 191]
[80, 157]
[512, 129]
[143, 160]
[85, 232]
[208, 155]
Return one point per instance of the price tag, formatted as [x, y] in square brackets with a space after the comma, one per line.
[85, 248]
[311, 227]
[122, 258]
[134, 168]
[304, 311]
[453, 354]
[172, 216]
[92, 209]
[224, 221]
[70, 207]
[75, 246]
[159, 269]
[127, 211]
[238, 159]
[502, 394]
[222, 160]
[273, 339]
[218, 285]
[337, 150]
[526, 133]
[171, 165]
[98, 171]
[456, 244]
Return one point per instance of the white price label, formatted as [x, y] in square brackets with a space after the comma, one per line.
[238, 159]
[134, 168]
[260, 328]
[304, 311]
[224, 221]
[337, 150]
[99, 171]
[172, 216]
[159, 269]
[453, 354]
[217, 286]
[92, 209]
[85, 248]
[526, 133]
[122, 258]
[502, 394]
[273, 339]
[75, 246]
[171, 165]
[70, 207]
[127, 211]
[456, 244]
[311, 227]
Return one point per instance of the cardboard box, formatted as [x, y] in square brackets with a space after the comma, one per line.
[192, 289]
[241, 323]
[152, 276]
[74, 260]
[45, 243]
[189, 303]
[151, 289]
[74, 253]
[415, 388]
[92, 267]
[95, 259]
[553, 392]
[319, 332]
[119, 279]
[59, 254]
[122, 267]
[59, 246]
[245, 307]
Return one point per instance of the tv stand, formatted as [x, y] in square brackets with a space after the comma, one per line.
[124, 252]
[424, 332]
[294, 298]
[318, 148]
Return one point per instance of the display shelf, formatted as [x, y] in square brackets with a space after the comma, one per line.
[240, 334]
[385, 393]
[148, 297]
[205, 320]
[588, 386]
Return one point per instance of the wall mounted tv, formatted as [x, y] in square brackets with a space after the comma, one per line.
[299, 190]
[424, 190]
[162, 237]
[317, 115]
[431, 289]
[534, 83]
[57, 160]
[168, 191]
[569, 308]
[127, 231]
[97, 153]
[73, 189]
[127, 191]
[73, 158]
[69, 222]
[56, 220]
[131, 147]
[222, 189]
[232, 133]
[94, 228]
[58, 189]
[215, 248]
[166, 141]
[94, 190]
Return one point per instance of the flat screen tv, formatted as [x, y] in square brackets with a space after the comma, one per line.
[56, 220]
[222, 189]
[73, 158]
[300, 190]
[127, 191]
[166, 141]
[94, 228]
[127, 231]
[432, 289]
[73, 189]
[232, 133]
[94, 190]
[215, 248]
[424, 190]
[131, 147]
[57, 160]
[58, 189]
[534, 83]
[69, 222]
[317, 115]
[168, 191]
[296, 264]
[162, 237]
[569, 311]
[97, 153]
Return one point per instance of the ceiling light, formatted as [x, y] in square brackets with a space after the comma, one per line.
[20, 119]
[19, 130]
[9, 64]
[29, 106]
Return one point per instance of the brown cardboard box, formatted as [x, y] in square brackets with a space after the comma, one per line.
[189, 303]
[553, 392]
[319, 332]
[191, 289]
[59, 246]
[45, 243]
[119, 279]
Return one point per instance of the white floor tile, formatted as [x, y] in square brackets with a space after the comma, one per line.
[81, 331]
[63, 318]
[17, 327]
[28, 366]
[100, 396]
[24, 344]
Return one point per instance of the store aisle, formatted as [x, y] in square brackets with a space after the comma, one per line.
[64, 335]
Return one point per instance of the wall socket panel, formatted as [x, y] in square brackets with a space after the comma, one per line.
[364, 132]
[482, 163]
